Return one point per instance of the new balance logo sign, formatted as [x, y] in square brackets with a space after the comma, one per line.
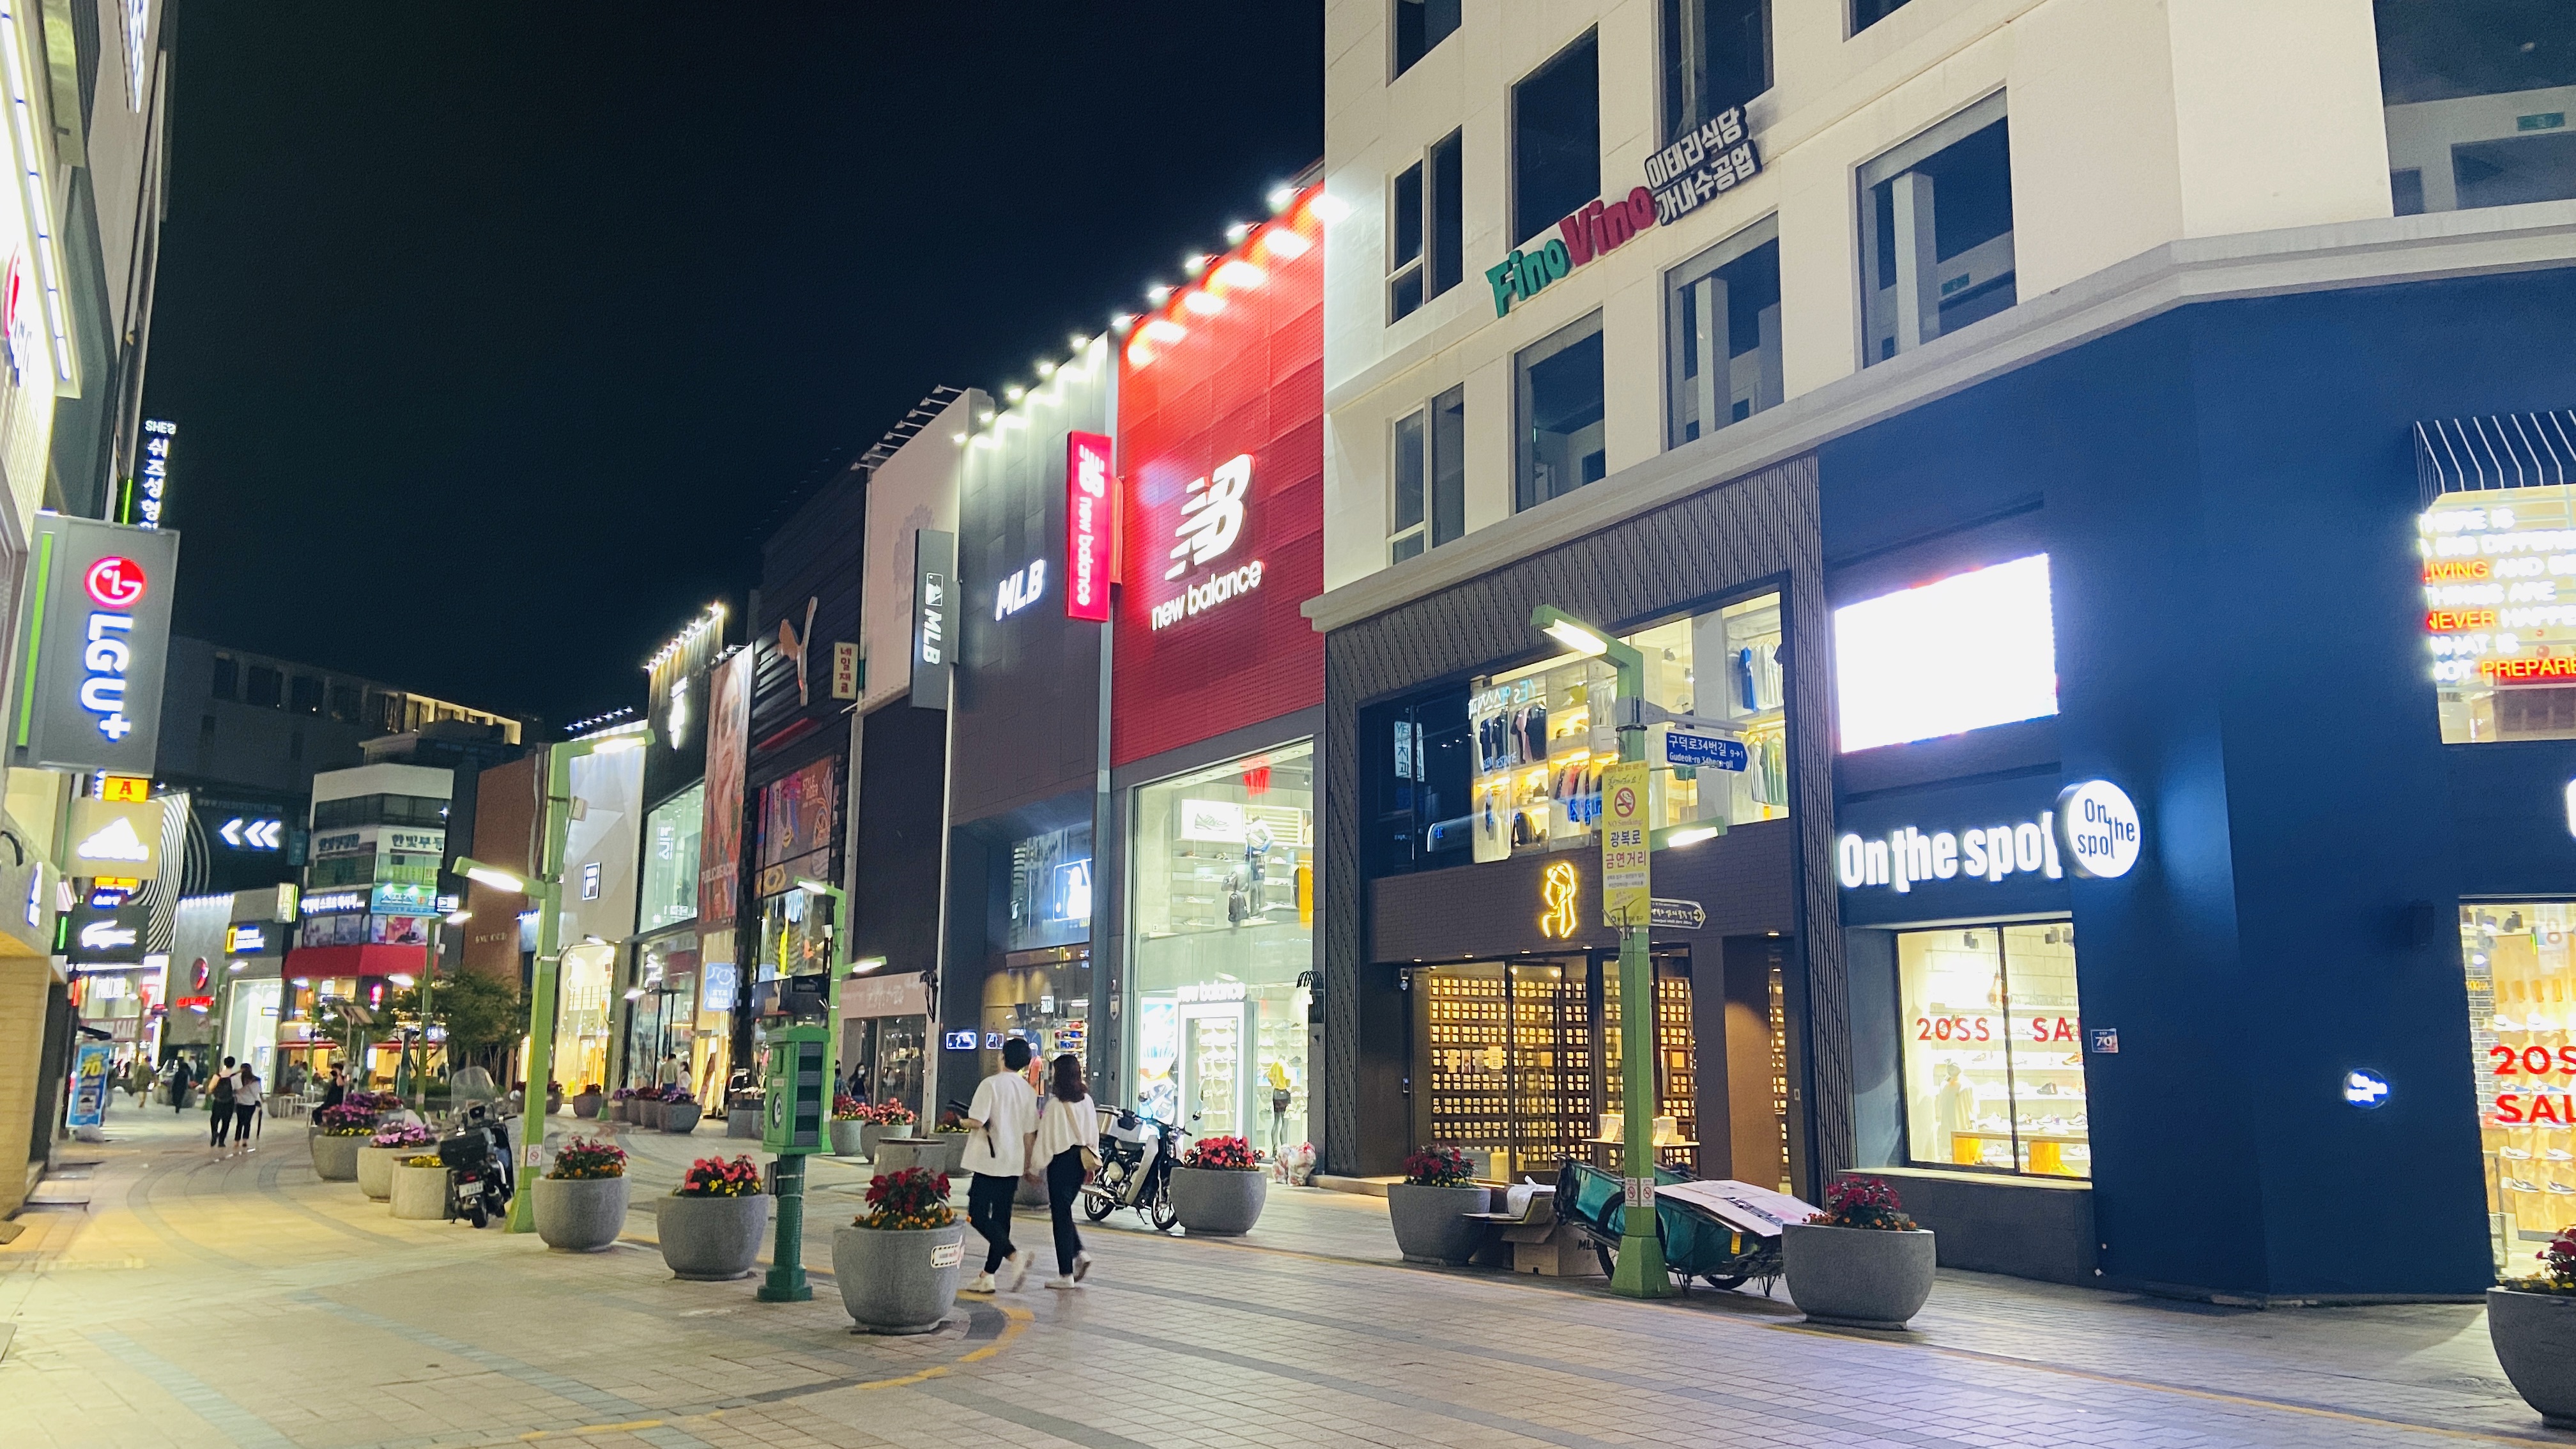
[1213, 519]
[116, 842]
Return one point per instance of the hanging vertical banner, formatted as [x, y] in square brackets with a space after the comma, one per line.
[1090, 526]
[1627, 879]
[934, 616]
[97, 610]
[152, 480]
[720, 838]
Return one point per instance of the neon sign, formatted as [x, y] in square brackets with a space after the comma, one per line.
[115, 584]
[1558, 889]
[1089, 520]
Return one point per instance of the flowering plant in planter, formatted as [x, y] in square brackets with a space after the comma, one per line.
[584, 1158]
[887, 1114]
[846, 1108]
[426, 1159]
[1438, 1167]
[1222, 1154]
[373, 1101]
[1863, 1202]
[409, 1134]
[715, 1177]
[913, 1198]
[621, 1094]
[2557, 1268]
[678, 1094]
[345, 1120]
[649, 1094]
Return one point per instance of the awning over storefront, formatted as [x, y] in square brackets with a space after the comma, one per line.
[2501, 450]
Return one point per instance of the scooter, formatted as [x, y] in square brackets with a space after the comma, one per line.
[476, 1153]
[1136, 1158]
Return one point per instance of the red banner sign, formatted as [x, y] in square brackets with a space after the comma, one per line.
[1090, 507]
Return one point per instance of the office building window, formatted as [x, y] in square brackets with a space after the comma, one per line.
[1866, 13]
[1421, 25]
[1717, 55]
[1722, 333]
[1560, 392]
[1937, 244]
[1424, 219]
[227, 677]
[2477, 95]
[305, 695]
[1430, 476]
[265, 686]
[1556, 139]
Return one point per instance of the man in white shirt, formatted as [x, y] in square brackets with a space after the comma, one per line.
[999, 1123]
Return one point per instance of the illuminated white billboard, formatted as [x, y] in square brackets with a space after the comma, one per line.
[1961, 653]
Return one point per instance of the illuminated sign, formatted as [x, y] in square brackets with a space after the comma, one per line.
[99, 629]
[845, 677]
[2499, 580]
[110, 839]
[1020, 590]
[2098, 829]
[113, 935]
[245, 940]
[152, 482]
[136, 18]
[959, 1041]
[106, 936]
[1210, 523]
[399, 899]
[123, 789]
[934, 618]
[1962, 653]
[18, 307]
[2365, 1089]
[1090, 509]
[332, 903]
[1906, 857]
[1558, 888]
[243, 834]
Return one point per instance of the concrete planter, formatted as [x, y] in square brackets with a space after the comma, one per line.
[850, 1139]
[376, 1167]
[898, 1280]
[742, 1122]
[1217, 1203]
[711, 1239]
[335, 1159]
[580, 1214]
[586, 1104]
[1430, 1223]
[419, 1193]
[681, 1116]
[2535, 1340]
[1857, 1277]
[938, 1152]
[1031, 1193]
[649, 1114]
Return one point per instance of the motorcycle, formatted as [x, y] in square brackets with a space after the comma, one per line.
[476, 1153]
[1136, 1158]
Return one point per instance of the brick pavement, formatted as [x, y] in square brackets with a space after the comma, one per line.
[214, 1301]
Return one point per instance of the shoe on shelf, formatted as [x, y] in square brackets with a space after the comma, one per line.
[1081, 1266]
[2559, 1154]
[1018, 1263]
[2518, 1185]
[1062, 1280]
[2513, 1153]
[2562, 1189]
[983, 1284]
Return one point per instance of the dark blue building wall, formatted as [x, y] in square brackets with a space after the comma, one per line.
[2228, 494]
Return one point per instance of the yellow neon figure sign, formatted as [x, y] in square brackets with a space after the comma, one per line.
[1558, 888]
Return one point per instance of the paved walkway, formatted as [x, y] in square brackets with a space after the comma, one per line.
[210, 1301]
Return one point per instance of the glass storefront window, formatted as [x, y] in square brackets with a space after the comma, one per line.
[588, 1006]
[1994, 1066]
[1544, 734]
[792, 939]
[1221, 903]
[2502, 635]
[671, 829]
[2522, 1006]
[1051, 889]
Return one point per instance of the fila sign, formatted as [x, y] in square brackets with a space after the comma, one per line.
[1211, 522]
[98, 631]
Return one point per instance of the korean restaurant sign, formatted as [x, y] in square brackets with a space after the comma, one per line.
[1704, 162]
[1090, 526]
[97, 614]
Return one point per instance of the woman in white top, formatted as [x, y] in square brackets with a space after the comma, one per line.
[1067, 1124]
[246, 1100]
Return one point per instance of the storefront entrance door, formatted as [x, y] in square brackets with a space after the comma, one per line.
[2521, 965]
[1212, 1079]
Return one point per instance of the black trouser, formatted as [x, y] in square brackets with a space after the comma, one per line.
[242, 1113]
[1064, 1186]
[988, 1208]
[223, 1115]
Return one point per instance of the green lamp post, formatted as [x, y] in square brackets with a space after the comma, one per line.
[544, 888]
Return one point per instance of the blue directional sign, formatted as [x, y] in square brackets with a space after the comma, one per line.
[1703, 750]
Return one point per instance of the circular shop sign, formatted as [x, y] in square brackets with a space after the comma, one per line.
[114, 582]
[2098, 829]
[2365, 1088]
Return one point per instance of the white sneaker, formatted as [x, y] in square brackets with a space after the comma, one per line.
[1081, 1266]
[1018, 1263]
[983, 1284]
[1062, 1280]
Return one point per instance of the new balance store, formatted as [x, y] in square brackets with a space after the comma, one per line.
[2202, 831]
[1217, 691]
[1474, 1002]
[1026, 752]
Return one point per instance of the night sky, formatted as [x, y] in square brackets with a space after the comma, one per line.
[492, 331]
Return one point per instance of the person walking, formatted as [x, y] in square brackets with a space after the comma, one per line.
[999, 1122]
[246, 1104]
[1067, 1126]
[219, 1097]
[176, 1072]
[668, 1074]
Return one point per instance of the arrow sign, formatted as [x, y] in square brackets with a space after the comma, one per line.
[232, 832]
[243, 834]
[1678, 915]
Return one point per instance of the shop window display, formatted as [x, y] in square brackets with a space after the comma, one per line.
[2502, 636]
[670, 890]
[1544, 734]
[1994, 1067]
[1221, 903]
[2522, 1006]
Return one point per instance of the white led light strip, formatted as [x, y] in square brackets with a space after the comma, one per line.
[39, 211]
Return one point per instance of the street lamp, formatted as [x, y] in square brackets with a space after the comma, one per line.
[1639, 1271]
[544, 887]
[786, 1282]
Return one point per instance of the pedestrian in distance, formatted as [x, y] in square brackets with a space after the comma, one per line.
[336, 1090]
[180, 1078]
[668, 1073]
[1000, 1122]
[1067, 1125]
[246, 1104]
[219, 1099]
